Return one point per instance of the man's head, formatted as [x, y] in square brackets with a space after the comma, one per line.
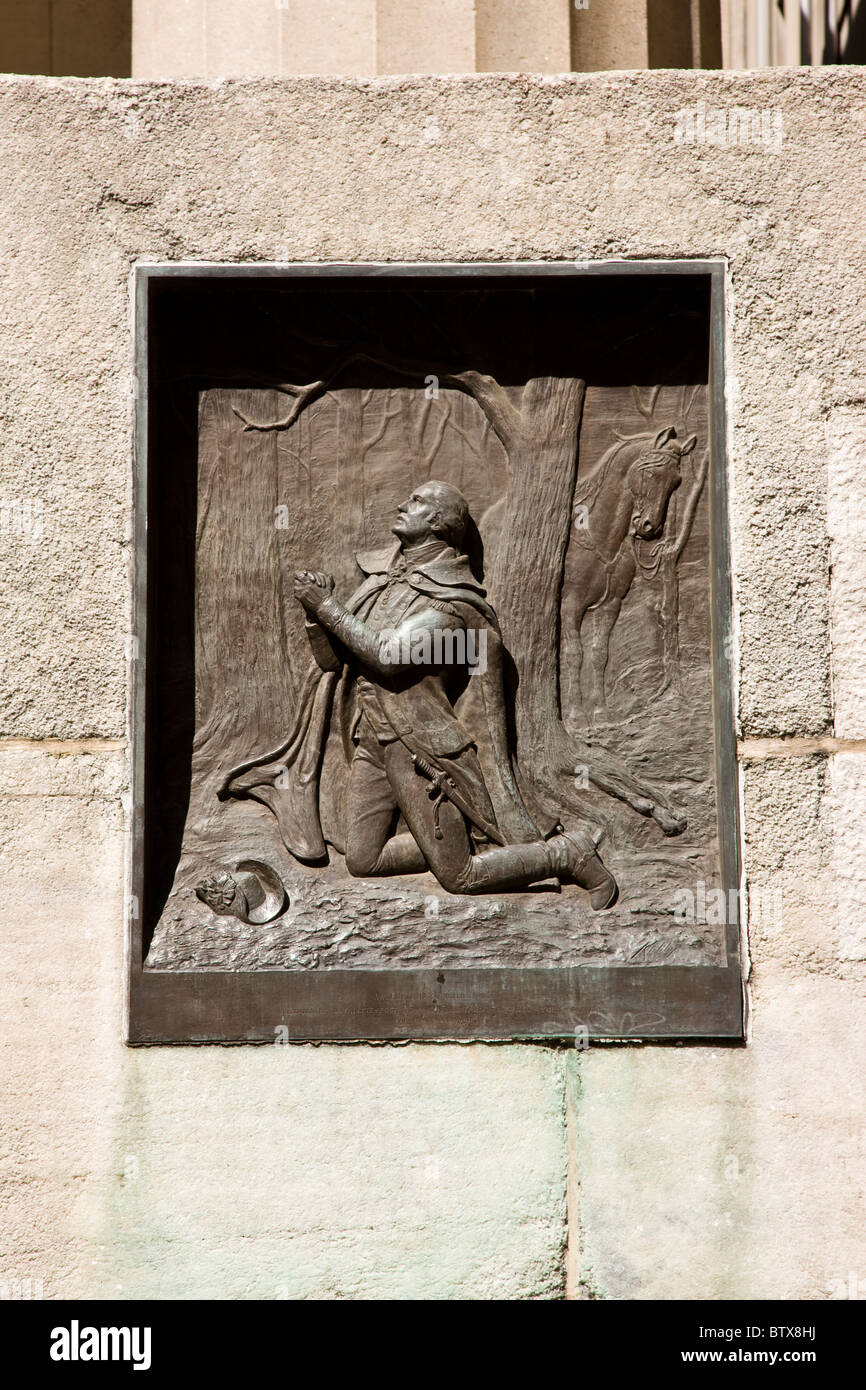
[434, 509]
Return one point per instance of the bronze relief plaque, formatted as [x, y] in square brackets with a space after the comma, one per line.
[433, 713]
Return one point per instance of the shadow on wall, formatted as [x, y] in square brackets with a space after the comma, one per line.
[684, 36]
[66, 38]
[853, 34]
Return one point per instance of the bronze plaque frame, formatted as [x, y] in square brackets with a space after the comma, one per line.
[661, 1002]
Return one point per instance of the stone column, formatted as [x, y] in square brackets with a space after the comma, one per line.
[605, 36]
[414, 36]
[523, 35]
[253, 38]
[366, 38]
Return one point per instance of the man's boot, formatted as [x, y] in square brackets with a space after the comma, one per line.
[575, 857]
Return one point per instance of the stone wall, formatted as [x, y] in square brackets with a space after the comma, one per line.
[437, 1170]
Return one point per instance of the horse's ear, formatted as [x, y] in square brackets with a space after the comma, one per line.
[663, 437]
[688, 445]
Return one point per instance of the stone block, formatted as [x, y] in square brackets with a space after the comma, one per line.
[715, 1173]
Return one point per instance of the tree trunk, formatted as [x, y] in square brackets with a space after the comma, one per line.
[527, 578]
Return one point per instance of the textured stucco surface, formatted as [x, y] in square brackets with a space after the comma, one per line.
[845, 435]
[437, 1171]
[804, 828]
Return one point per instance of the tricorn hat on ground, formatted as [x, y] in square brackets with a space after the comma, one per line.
[253, 892]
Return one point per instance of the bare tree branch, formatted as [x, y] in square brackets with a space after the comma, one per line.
[687, 404]
[647, 411]
[506, 420]
[466, 436]
[691, 507]
[430, 455]
[303, 396]
[387, 417]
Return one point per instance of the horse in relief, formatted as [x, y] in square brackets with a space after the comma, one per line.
[619, 509]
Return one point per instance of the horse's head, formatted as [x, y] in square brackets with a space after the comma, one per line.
[652, 479]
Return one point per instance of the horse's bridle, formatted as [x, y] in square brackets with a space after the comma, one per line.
[650, 570]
